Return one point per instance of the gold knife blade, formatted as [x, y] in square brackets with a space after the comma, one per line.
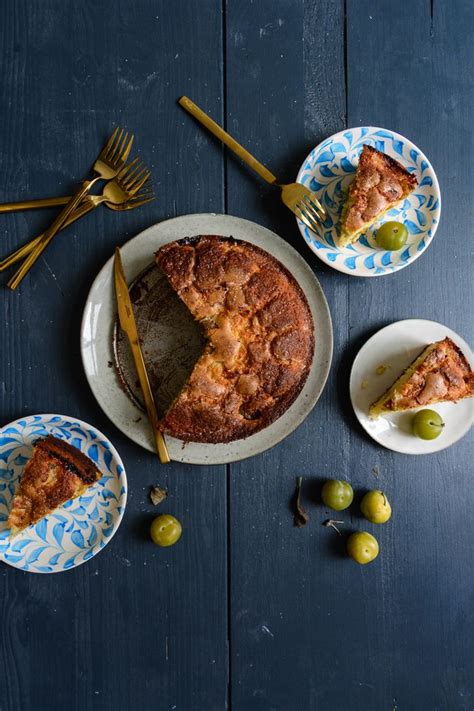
[129, 327]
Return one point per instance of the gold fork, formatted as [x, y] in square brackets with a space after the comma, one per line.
[108, 164]
[301, 201]
[130, 189]
[36, 203]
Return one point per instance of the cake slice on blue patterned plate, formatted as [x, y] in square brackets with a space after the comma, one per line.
[379, 184]
[56, 473]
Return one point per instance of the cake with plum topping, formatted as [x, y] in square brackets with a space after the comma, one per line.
[259, 338]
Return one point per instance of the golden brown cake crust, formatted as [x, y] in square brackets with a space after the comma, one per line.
[444, 376]
[380, 182]
[260, 338]
[56, 473]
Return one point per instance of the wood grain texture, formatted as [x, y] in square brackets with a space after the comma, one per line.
[417, 625]
[306, 628]
[284, 581]
[131, 629]
[310, 629]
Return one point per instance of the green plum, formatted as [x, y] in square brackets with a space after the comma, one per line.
[375, 506]
[337, 494]
[362, 547]
[391, 236]
[427, 424]
[165, 530]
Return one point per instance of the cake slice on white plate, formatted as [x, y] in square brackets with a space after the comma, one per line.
[441, 373]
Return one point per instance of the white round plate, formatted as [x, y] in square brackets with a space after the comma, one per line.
[80, 528]
[100, 314]
[394, 348]
[329, 170]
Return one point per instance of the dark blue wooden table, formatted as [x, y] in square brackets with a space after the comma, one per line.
[246, 612]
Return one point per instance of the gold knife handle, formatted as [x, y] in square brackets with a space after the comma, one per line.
[33, 204]
[50, 233]
[149, 403]
[162, 449]
[29, 246]
[230, 142]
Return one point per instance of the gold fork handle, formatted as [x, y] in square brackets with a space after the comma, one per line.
[32, 204]
[29, 246]
[230, 142]
[50, 233]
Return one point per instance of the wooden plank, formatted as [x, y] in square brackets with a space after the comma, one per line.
[310, 630]
[141, 627]
[137, 627]
[410, 641]
[285, 93]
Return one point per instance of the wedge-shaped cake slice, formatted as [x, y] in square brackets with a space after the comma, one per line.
[441, 373]
[56, 473]
[379, 184]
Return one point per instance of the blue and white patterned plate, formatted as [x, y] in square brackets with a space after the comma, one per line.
[329, 170]
[80, 528]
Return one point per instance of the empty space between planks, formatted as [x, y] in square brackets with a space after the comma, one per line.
[137, 626]
[285, 93]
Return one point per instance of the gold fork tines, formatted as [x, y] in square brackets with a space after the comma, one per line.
[107, 165]
[301, 201]
[134, 179]
[307, 212]
[143, 196]
[115, 153]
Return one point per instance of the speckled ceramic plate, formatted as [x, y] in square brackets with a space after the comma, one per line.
[380, 361]
[99, 321]
[80, 528]
[328, 171]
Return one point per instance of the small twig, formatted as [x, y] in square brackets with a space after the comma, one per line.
[331, 523]
[301, 518]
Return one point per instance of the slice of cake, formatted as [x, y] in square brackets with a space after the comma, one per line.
[259, 332]
[441, 373]
[379, 184]
[56, 473]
